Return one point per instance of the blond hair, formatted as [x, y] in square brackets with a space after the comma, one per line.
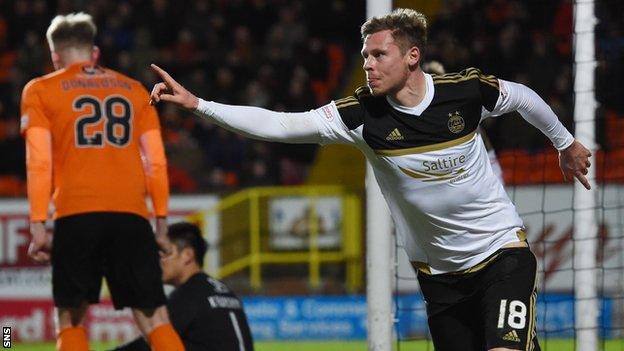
[75, 30]
[409, 28]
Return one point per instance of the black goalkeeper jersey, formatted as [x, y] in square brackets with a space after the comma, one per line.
[207, 315]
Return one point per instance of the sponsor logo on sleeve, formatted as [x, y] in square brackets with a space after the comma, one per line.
[328, 113]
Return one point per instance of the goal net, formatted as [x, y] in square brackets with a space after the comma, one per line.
[576, 235]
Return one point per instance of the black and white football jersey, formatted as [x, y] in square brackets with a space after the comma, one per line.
[449, 208]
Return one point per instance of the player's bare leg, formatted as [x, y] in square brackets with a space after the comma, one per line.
[70, 331]
[155, 326]
[150, 319]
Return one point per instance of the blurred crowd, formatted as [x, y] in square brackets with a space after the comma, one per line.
[293, 55]
[531, 42]
[277, 54]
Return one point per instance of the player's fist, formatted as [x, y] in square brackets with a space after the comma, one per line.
[41, 243]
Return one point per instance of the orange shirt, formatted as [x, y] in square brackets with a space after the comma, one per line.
[101, 132]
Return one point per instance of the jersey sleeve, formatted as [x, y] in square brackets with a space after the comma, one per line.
[39, 171]
[33, 114]
[489, 89]
[520, 98]
[350, 111]
[155, 165]
[339, 120]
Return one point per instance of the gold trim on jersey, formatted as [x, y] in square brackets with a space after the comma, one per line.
[426, 148]
[352, 100]
[465, 78]
[432, 177]
[468, 71]
[347, 104]
[348, 101]
[362, 91]
[531, 331]
[423, 267]
[470, 74]
[419, 174]
[521, 235]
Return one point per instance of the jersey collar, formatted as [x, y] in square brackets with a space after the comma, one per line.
[422, 106]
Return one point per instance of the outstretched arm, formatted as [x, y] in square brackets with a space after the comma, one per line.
[573, 156]
[253, 122]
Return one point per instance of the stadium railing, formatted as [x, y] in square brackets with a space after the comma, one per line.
[243, 229]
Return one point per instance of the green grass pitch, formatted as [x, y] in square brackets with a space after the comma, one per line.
[548, 345]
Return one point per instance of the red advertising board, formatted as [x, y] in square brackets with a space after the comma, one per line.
[33, 321]
[25, 287]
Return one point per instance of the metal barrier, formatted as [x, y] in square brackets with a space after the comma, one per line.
[246, 212]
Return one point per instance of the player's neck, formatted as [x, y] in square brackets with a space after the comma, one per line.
[414, 90]
[66, 64]
[186, 275]
[72, 56]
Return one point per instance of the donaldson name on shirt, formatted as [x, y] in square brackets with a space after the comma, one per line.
[94, 83]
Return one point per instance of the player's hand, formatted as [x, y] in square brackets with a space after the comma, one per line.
[574, 163]
[161, 236]
[41, 243]
[171, 91]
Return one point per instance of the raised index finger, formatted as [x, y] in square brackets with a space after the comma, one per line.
[164, 75]
[583, 180]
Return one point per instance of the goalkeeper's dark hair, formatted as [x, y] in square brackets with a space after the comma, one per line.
[409, 29]
[187, 235]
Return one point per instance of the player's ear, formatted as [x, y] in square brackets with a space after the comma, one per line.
[56, 59]
[188, 255]
[95, 53]
[413, 56]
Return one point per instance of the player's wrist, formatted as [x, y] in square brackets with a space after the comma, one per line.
[194, 103]
[568, 141]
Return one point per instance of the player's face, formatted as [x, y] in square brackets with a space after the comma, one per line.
[387, 69]
[172, 266]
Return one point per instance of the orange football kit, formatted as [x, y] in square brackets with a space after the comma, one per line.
[93, 144]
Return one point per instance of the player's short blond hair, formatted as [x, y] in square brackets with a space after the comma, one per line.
[75, 30]
[409, 28]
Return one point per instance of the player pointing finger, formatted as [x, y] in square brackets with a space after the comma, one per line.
[171, 91]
